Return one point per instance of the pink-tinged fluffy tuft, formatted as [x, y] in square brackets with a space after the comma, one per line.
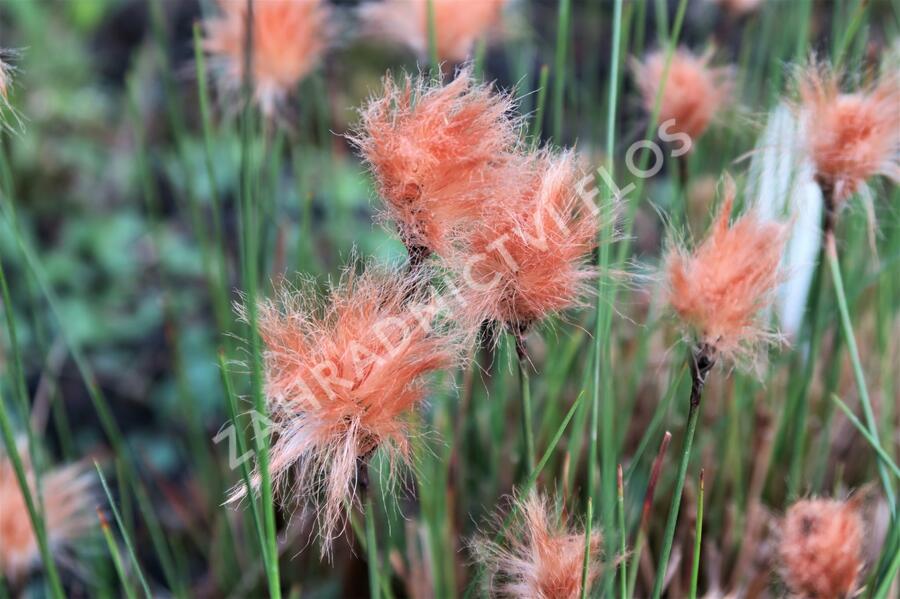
[544, 559]
[343, 374]
[530, 256]
[458, 24]
[289, 37]
[68, 511]
[694, 94]
[721, 289]
[434, 152]
[821, 549]
[850, 137]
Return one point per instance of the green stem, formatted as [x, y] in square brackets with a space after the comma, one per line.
[127, 538]
[20, 387]
[525, 389]
[855, 22]
[684, 176]
[114, 554]
[559, 81]
[586, 563]
[250, 258]
[538, 121]
[361, 538]
[432, 41]
[206, 121]
[635, 561]
[37, 521]
[698, 535]
[882, 454]
[18, 371]
[623, 534]
[701, 363]
[847, 326]
[231, 403]
[662, 20]
[602, 362]
[480, 55]
[372, 551]
[885, 585]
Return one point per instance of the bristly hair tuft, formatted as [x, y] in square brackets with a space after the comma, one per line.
[721, 289]
[820, 549]
[288, 36]
[850, 137]
[531, 255]
[543, 557]
[68, 504]
[434, 151]
[343, 376]
[695, 93]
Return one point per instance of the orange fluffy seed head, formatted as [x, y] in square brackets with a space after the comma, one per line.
[850, 137]
[821, 549]
[68, 502]
[720, 289]
[434, 151]
[694, 92]
[289, 37]
[458, 24]
[343, 375]
[530, 257]
[544, 559]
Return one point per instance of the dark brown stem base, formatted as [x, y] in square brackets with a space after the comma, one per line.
[362, 474]
[519, 332]
[702, 361]
[829, 205]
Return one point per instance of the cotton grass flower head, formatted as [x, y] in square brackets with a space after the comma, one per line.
[544, 558]
[850, 137]
[434, 150]
[68, 501]
[530, 255]
[343, 375]
[288, 37]
[821, 548]
[694, 94]
[458, 24]
[720, 290]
